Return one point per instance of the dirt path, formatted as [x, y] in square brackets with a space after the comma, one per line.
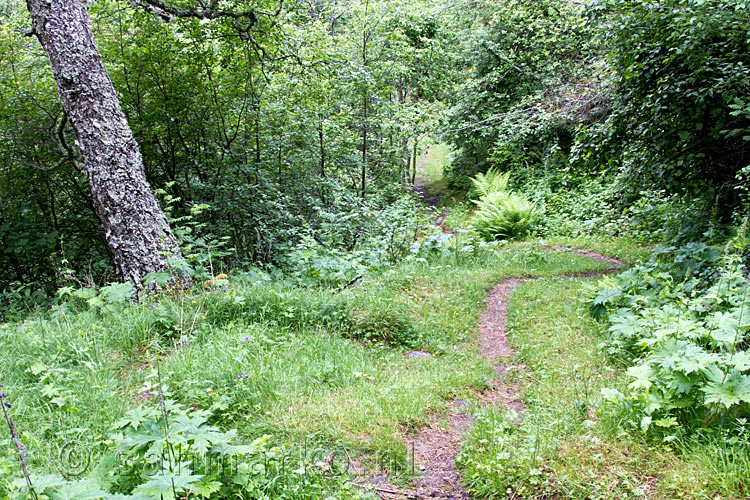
[437, 445]
[432, 200]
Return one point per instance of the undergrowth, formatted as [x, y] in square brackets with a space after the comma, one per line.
[569, 443]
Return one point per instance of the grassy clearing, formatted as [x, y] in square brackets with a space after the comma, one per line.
[440, 156]
[566, 446]
[300, 365]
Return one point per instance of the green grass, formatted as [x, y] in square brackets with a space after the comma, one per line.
[318, 368]
[567, 447]
[439, 157]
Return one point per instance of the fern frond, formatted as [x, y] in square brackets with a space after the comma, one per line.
[491, 182]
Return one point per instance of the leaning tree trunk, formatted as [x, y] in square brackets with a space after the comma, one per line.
[134, 225]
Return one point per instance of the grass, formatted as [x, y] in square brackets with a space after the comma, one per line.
[440, 156]
[436, 184]
[313, 365]
[567, 447]
[326, 369]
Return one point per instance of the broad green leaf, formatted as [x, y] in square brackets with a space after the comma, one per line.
[642, 375]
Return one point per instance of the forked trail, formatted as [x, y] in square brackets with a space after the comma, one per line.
[437, 445]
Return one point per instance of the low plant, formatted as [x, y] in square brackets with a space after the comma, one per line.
[504, 216]
[501, 459]
[493, 181]
[680, 326]
[169, 451]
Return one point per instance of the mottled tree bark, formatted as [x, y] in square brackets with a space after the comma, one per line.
[134, 225]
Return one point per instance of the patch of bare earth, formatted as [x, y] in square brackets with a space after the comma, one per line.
[591, 255]
[494, 347]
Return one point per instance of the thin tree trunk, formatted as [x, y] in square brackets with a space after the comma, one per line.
[414, 163]
[135, 227]
[365, 36]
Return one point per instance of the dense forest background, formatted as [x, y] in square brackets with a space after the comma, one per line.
[302, 132]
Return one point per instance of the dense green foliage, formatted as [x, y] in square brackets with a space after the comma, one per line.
[299, 129]
[618, 103]
[264, 357]
[522, 58]
[680, 79]
[679, 322]
[328, 305]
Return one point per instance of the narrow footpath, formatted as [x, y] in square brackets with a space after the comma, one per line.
[437, 445]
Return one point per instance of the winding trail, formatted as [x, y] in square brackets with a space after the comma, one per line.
[437, 445]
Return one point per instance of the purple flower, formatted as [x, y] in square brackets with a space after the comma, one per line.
[245, 339]
[239, 377]
[247, 377]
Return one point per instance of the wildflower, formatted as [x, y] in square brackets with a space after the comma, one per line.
[247, 377]
[245, 339]
[194, 302]
[2, 399]
[208, 389]
[239, 377]
[62, 349]
[203, 316]
[76, 373]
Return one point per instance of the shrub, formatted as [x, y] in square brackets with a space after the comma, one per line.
[681, 328]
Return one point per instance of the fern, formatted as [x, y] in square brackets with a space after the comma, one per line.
[504, 216]
[491, 182]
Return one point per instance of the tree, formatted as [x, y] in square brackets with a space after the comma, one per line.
[680, 117]
[135, 227]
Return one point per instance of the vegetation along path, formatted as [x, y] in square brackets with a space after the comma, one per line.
[437, 445]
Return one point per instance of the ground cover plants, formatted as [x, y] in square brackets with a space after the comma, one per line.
[259, 358]
[568, 443]
[500, 214]
[327, 249]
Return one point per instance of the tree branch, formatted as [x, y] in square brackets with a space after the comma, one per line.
[168, 12]
[508, 61]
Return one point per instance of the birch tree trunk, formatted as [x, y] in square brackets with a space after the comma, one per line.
[134, 225]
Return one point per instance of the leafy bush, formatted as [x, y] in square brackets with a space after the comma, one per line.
[657, 217]
[575, 206]
[680, 324]
[504, 216]
[681, 75]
